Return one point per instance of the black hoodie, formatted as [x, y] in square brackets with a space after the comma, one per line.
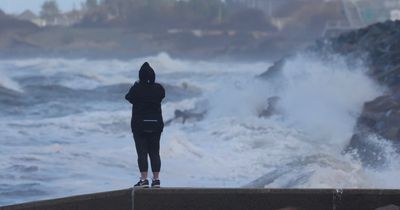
[145, 96]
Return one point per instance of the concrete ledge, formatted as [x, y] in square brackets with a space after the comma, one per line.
[263, 199]
[115, 200]
[221, 199]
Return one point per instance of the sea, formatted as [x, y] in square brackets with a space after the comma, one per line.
[65, 126]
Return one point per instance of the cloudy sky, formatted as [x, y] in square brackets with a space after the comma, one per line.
[18, 6]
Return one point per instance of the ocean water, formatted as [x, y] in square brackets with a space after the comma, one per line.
[65, 128]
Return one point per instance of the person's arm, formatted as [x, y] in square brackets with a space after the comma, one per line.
[162, 92]
[130, 96]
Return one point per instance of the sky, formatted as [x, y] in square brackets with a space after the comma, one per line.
[18, 6]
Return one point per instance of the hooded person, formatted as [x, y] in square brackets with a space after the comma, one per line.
[147, 123]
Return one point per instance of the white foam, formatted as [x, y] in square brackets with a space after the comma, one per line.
[10, 84]
[91, 74]
[325, 97]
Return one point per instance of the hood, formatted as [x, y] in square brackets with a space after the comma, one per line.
[147, 74]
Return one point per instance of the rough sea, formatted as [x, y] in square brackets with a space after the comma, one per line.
[65, 126]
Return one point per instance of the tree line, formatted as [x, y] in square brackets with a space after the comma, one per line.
[162, 14]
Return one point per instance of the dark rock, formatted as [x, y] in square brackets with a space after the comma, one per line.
[273, 70]
[271, 109]
[381, 116]
[369, 152]
[186, 115]
[380, 44]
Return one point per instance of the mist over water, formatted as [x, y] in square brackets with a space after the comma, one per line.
[65, 126]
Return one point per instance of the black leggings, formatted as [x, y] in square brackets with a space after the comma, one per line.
[148, 144]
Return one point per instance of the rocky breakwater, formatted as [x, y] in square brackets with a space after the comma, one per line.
[378, 46]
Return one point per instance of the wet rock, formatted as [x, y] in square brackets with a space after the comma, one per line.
[183, 116]
[368, 151]
[273, 70]
[382, 116]
[271, 108]
[187, 115]
[380, 45]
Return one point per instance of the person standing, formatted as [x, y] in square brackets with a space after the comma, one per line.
[147, 123]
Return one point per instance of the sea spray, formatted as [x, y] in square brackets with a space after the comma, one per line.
[325, 97]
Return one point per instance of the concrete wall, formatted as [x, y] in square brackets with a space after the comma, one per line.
[221, 199]
[116, 200]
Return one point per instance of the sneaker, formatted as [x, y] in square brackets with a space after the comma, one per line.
[142, 184]
[155, 183]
